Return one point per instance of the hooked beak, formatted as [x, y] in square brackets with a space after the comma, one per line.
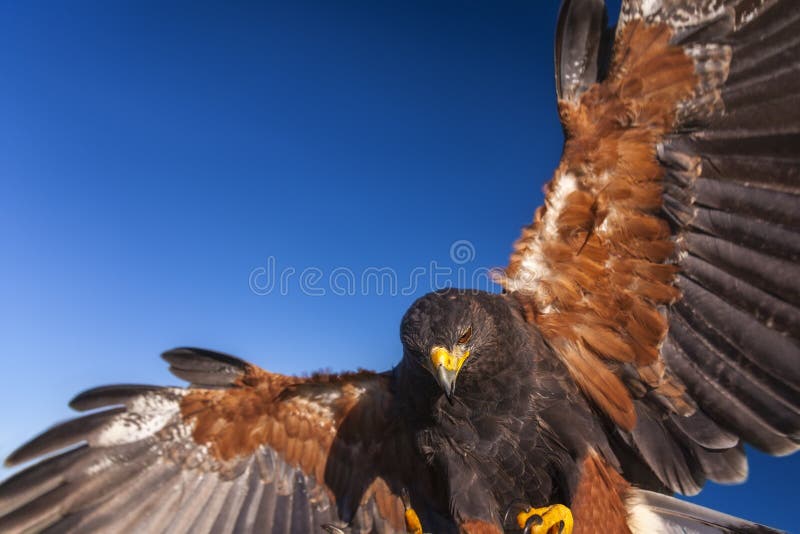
[447, 381]
[445, 367]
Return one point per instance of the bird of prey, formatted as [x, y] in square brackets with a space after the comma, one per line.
[648, 328]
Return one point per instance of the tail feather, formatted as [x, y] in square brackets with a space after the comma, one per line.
[654, 513]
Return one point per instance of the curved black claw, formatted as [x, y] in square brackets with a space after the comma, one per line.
[533, 521]
[546, 520]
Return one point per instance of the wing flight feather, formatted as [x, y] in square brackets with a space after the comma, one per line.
[663, 267]
[240, 450]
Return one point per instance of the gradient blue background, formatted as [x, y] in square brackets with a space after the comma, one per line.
[152, 156]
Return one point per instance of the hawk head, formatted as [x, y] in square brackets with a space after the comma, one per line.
[461, 336]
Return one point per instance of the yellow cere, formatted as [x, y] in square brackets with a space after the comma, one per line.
[440, 356]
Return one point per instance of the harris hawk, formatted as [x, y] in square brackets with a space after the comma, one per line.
[649, 328]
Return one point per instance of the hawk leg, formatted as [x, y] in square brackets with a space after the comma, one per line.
[555, 519]
[413, 524]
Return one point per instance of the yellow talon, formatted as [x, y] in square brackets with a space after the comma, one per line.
[555, 519]
[413, 524]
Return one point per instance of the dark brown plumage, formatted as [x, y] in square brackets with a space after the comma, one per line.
[649, 328]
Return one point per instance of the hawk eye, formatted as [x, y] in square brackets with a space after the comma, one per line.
[465, 336]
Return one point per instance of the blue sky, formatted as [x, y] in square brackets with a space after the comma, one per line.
[154, 157]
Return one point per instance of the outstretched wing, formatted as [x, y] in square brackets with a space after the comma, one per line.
[663, 267]
[241, 450]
